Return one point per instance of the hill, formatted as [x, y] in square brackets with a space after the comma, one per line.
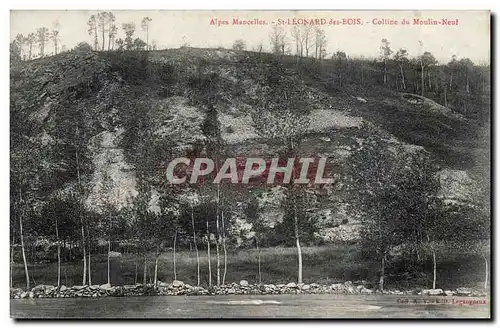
[102, 106]
[92, 134]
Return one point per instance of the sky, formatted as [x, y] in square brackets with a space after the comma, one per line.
[470, 38]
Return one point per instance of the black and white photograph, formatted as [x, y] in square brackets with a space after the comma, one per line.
[250, 164]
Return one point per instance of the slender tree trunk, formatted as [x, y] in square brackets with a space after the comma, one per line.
[467, 88]
[258, 260]
[103, 37]
[224, 249]
[429, 76]
[135, 280]
[385, 71]
[145, 272]
[402, 77]
[209, 258]
[218, 237]
[84, 279]
[422, 73]
[195, 247]
[11, 259]
[382, 274]
[485, 272]
[24, 253]
[433, 269]
[58, 256]
[89, 270]
[445, 99]
[109, 260]
[451, 79]
[175, 266]
[155, 281]
[217, 242]
[96, 43]
[217, 251]
[299, 249]
[109, 234]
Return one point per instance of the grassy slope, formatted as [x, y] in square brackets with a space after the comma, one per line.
[325, 264]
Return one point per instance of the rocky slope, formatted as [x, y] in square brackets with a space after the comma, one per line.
[178, 287]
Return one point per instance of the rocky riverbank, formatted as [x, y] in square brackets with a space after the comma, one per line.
[178, 287]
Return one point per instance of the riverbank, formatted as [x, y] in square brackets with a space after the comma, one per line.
[178, 287]
[324, 265]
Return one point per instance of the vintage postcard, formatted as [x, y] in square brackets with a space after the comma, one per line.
[250, 164]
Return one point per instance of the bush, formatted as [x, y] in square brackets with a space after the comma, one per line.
[239, 45]
[133, 66]
[83, 47]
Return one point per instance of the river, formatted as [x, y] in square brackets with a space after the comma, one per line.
[248, 306]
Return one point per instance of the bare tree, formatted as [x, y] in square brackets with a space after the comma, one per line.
[401, 57]
[452, 65]
[145, 27]
[54, 36]
[224, 246]
[30, 40]
[429, 62]
[209, 256]
[42, 37]
[320, 44]
[92, 30]
[23, 249]
[277, 38]
[426, 60]
[102, 26]
[385, 55]
[109, 211]
[112, 30]
[129, 29]
[340, 60]
[259, 48]
[307, 32]
[239, 45]
[192, 199]
[297, 38]
[154, 44]
[20, 41]
[284, 125]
